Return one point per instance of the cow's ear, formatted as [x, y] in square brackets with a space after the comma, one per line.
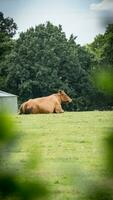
[60, 91]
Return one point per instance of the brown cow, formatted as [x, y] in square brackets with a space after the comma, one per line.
[49, 104]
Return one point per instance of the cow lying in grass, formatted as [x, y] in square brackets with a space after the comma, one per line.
[49, 104]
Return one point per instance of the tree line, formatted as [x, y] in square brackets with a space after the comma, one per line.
[43, 60]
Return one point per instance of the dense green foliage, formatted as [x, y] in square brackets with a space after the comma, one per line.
[102, 49]
[7, 31]
[42, 61]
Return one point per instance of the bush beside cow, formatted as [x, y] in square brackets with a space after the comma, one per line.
[48, 104]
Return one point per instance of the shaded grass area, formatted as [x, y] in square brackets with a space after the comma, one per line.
[72, 149]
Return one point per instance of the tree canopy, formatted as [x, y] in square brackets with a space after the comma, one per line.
[7, 30]
[43, 61]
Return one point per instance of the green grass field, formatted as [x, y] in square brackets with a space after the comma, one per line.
[72, 149]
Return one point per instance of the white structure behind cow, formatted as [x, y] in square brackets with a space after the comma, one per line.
[8, 102]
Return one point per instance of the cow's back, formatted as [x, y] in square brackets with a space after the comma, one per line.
[45, 104]
[41, 105]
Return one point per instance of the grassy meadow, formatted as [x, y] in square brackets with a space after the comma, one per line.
[71, 149]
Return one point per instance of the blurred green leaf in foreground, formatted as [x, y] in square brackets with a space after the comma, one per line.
[103, 189]
[17, 184]
[104, 81]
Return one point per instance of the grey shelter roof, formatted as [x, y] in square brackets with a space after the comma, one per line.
[8, 102]
[5, 94]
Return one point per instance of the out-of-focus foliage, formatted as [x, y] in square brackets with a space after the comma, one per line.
[104, 188]
[17, 184]
[100, 188]
[104, 81]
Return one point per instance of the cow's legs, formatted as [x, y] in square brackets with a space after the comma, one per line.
[58, 109]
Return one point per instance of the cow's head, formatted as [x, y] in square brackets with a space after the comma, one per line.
[64, 97]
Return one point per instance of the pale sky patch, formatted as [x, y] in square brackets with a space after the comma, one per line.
[76, 17]
[104, 10]
[102, 6]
